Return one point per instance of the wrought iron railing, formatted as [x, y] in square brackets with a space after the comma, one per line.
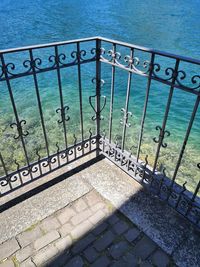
[95, 115]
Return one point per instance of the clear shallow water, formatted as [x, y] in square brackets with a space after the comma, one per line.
[172, 26]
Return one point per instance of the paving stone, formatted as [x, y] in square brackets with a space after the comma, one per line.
[27, 263]
[104, 241]
[46, 239]
[160, 258]
[65, 215]
[112, 219]
[118, 263]
[97, 217]
[98, 206]
[45, 255]
[132, 234]
[102, 261]
[80, 217]
[144, 248]
[64, 243]
[50, 224]
[60, 260]
[92, 198]
[83, 243]
[75, 262]
[66, 229]
[24, 253]
[147, 264]
[130, 260]
[120, 227]
[90, 254]
[118, 249]
[28, 237]
[100, 228]
[80, 205]
[8, 248]
[81, 229]
[7, 263]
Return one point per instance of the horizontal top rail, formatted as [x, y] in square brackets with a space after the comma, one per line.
[141, 48]
[19, 49]
[150, 50]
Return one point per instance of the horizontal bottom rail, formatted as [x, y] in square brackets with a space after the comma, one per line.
[44, 166]
[157, 183]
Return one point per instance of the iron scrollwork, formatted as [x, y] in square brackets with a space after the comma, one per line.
[178, 77]
[21, 133]
[125, 117]
[78, 55]
[97, 113]
[62, 111]
[162, 135]
[57, 60]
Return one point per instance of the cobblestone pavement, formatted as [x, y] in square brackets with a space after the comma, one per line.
[87, 232]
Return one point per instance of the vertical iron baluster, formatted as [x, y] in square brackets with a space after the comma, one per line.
[162, 131]
[75, 141]
[98, 93]
[58, 154]
[125, 119]
[61, 97]
[5, 170]
[38, 160]
[145, 105]
[39, 105]
[112, 97]
[193, 199]
[186, 139]
[16, 114]
[19, 173]
[3, 165]
[80, 94]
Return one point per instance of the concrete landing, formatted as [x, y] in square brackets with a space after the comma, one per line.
[88, 232]
[164, 226]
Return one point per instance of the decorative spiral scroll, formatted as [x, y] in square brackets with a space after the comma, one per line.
[33, 64]
[95, 51]
[130, 62]
[19, 129]
[49, 161]
[184, 204]
[115, 56]
[124, 121]
[58, 60]
[78, 55]
[194, 80]
[34, 168]
[169, 72]
[161, 136]
[178, 77]
[62, 111]
[135, 61]
[9, 179]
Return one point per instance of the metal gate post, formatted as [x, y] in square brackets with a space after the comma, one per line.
[98, 92]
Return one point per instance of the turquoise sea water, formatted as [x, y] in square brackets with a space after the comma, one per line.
[172, 26]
